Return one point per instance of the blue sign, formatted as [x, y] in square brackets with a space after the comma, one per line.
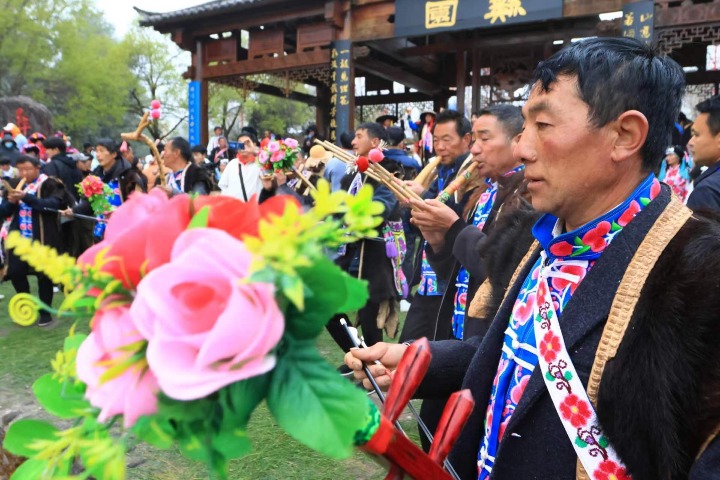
[194, 121]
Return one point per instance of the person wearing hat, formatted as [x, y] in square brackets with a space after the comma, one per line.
[20, 139]
[396, 151]
[38, 140]
[83, 161]
[675, 172]
[387, 120]
[9, 148]
[335, 169]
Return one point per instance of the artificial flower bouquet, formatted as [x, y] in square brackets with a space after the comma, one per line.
[279, 155]
[198, 310]
[97, 194]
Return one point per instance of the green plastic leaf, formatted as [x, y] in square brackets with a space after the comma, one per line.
[62, 399]
[293, 289]
[22, 433]
[31, 469]
[329, 291]
[200, 219]
[155, 430]
[580, 442]
[313, 403]
[73, 342]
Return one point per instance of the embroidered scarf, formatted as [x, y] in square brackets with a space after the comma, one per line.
[115, 200]
[25, 222]
[569, 258]
[482, 213]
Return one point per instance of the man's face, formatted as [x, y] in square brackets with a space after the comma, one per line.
[248, 143]
[267, 133]
[567, 159]
[28, 171]
[704, 146]
[492, 148]
[5, 168]
[362, 143]
[199, 158]
[51, 152]
[218, 132]
[222, 143]
[105, 158]
[448, 144]
[170, 155]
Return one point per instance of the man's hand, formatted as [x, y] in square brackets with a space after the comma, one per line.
[68, 212]
[14, 196]
[389, 355]
[417, 188]
[434, 219]
[267, 182]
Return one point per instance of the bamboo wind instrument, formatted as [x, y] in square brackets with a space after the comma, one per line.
[138, 136]
[446, 194]
[428, 173]
[374, 171]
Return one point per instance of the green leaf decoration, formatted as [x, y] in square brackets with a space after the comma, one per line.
[568, 376]
[645, 201]
[313, 403]
[155, 430]
[580, 442]
[62, 399]
[550, 314]
[329, 290]
[293, 289]
[74, 341]
[615, 227]
[603, 441]
[200, 219]
[31, 469]
[22, 433]
[549, 376]
[578, 242]
[580, 251]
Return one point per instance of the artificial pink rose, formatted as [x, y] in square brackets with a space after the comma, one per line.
[206, 328]
[134, 392]
[277, 156]
[273, 147]
[139, 235]
[263, 156]
[291, 143]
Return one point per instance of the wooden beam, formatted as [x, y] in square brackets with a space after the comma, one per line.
[699, 78]
[408, 97]
[370, 21]
[275, 91]
[395, 74]
[391, 47]
[315, 58]
[583, 8]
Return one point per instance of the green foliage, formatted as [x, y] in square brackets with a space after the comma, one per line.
[22, 434]
[62, 399]
[314, 404]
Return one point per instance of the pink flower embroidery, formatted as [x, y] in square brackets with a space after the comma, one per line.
[273, 147]
[517, 390]
[595, 238]
[629, 214]
[609, 470]
[655, 189]
[522, 312]
[561, 249]
[549, 347]
[575, 410]
[560, 284]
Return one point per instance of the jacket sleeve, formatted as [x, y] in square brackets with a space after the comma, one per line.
[443, 262]
[383, 195]
[705, 197]
[53, 200]
[450, 362]
[467, 250]
[7, 209]
[708, 465]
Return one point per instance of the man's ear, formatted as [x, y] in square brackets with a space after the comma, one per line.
[629, 133]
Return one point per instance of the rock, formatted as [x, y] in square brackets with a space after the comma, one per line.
[38, 115]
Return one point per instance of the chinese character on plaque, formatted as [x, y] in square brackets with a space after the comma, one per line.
[440, 13]
[504, 9]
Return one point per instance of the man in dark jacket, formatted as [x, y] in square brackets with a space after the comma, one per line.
[9, 148]
[705, 147]
[34, 211]
[62, 166]
[604, 351]
[185, 176]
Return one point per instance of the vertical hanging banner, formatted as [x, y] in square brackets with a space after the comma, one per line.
[194, 123]
[341, 89]
[639, 21]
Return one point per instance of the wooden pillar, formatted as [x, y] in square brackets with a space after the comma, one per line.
[322, 111]
[461, 73]
[199, 64]
[476, 67]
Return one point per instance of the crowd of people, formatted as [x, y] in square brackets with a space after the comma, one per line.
[588, 220]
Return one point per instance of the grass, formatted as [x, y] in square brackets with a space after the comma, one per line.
[26, 354]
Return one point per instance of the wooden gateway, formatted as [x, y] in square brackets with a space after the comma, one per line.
[364, 58]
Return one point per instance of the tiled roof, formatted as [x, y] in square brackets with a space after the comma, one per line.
[149, 19]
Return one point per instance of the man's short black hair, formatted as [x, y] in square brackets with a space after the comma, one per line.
[182, 146]
[199, 149]
[509, 116]
[396, 136]
[462, 125]
[249, 132]
[28, 159]
[55, 142]
[615, 75]
[110, 145]
[217, 128]
[5, 161]
[346, 139]
[87, 145]
[711, 106]
[374, 130]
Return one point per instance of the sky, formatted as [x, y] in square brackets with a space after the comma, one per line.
[121, 13]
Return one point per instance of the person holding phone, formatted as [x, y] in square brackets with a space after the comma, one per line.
[241, 177]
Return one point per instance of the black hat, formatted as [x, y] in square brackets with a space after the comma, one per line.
[381, 119]
[396, 136]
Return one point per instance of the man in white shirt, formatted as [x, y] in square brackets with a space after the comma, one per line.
[213, 142]
[241, 177]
